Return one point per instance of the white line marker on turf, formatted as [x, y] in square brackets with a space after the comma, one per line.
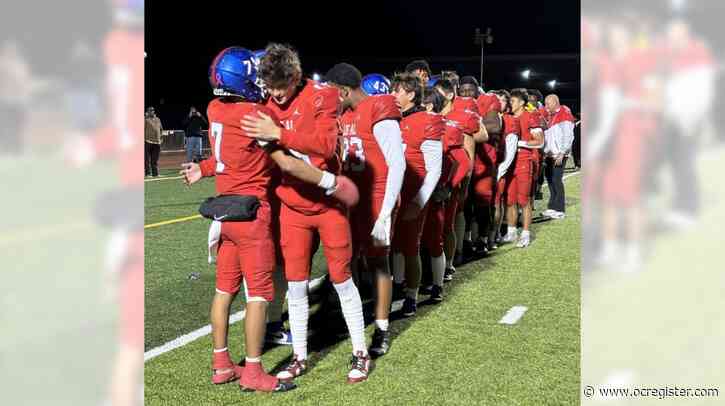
[162, 178]
[204, 331]
[513, 315]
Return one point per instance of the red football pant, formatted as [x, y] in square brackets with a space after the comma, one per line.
[518, 185]
[484, 188]
[298, 234]
[246, 250]
[433, 229]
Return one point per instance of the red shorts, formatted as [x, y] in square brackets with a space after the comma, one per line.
[484, 190]
[132, 293]
[433, 228]
[298, 233]
[452, 205]
[246, 250]
[518, 184]
[408, 233]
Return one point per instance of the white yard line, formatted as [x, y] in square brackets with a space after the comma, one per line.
[204, 331]
[162, 178]
[513, 315]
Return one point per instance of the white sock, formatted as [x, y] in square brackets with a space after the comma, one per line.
[299, 314]
[382, 324]
[525, 234]
[398, 267]
[352, 311]
[328, 181]
[412, 293]
[467, 236]
[221, 350]
[511, 230]
[460, 228]
[253, 359]
[438, 266]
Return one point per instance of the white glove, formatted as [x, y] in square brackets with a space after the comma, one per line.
[381, 231]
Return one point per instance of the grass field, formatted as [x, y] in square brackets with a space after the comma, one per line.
[452, 353]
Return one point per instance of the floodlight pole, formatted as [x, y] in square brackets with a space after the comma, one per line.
[482, 39]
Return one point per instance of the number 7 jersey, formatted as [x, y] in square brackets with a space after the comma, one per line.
[363, 159]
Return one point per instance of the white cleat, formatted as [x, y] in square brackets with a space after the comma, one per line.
[510, 236]
[548, 212]
[524, 241]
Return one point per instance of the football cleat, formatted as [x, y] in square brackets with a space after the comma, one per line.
[263, 382]
[524, 241]
[398, 291]
[294, 369]
[346, 191]
[448, 274]
[511, 236]
[221, 374]
[381, 342]
[360, 367]
[548, 212]
[436, 294]
[425, 290]
[277, 334]
[409, 307]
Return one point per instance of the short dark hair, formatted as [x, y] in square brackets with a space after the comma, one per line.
[410, 83]
[431, 96]
[279, 66]
[344, 74]
[469, 80]
[445, 85]
[520, 94]
[418, 64]
[452, 77]
[536, 93]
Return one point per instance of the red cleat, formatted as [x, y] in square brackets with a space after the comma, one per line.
[346, 191]
[255, 379]
[223, 369]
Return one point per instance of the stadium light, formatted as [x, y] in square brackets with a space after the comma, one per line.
[316, 76]
[525, 74]
[552, 84]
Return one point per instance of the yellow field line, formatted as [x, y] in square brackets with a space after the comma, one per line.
[179, 220]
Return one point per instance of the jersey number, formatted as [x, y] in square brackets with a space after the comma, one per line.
[216, 134]
[353, 154]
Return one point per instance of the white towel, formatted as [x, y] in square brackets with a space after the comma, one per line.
[215, 232]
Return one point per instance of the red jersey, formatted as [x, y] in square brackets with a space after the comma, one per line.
[488, 102]
[364, 161]
[240, 165]
[122, 135]
[417, 128]
[528, 121]
[459, 122]
[465, 103]
[310, 133]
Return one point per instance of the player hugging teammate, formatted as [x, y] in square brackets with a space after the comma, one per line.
[280, 146]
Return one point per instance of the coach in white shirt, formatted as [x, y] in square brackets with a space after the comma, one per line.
[558, 139]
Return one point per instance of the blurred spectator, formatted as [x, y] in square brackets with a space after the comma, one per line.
[13, 98]
[557, 147]
[153, 136]
[194, 124]
[576, 148]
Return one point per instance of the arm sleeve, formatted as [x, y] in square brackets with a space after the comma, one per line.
[322, 141]
[511, 141]
[433, 157]
[609, 101]
[387, 134]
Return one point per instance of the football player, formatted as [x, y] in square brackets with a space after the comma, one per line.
[375, 161]
[421, 69]
[245, 248]
[309, 131]
[518, 186]
[375, 83]
[422, 133]
[438, 231]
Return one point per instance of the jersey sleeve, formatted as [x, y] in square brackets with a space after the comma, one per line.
[384, 108]
[322, 140]
[435, 127]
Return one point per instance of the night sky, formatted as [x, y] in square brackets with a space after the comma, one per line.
[182, 39]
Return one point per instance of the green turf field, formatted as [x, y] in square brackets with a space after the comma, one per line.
[452, 353]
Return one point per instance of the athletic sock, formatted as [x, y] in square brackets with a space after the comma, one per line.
[352, 311]
[382, 324]
[299, 314]
[438, 266]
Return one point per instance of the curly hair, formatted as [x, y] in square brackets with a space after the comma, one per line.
[280, 67]
[410, 83]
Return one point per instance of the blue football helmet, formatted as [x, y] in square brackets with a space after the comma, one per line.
[375, 83]
[433, 80]
[259, 54]
[234, 73]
